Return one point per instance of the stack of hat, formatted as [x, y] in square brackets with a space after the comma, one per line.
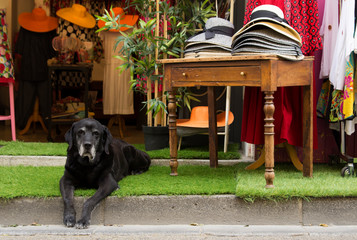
[215, 40]
[268, 33]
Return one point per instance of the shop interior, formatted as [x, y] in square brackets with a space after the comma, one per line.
[131, 130]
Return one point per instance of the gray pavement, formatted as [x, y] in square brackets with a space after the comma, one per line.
[97, 232]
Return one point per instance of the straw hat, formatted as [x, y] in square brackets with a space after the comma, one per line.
[123, 19]
[217, 31]
[265, 41]
[272, 17]
[199, 118]
[78, 15]
[37, 21]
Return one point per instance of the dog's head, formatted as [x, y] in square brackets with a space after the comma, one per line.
[90, 138]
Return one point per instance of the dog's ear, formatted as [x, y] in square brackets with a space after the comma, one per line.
[107, 138]
[69, 137]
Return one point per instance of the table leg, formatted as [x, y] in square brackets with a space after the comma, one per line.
[308, 131]
[48, 120]
[172, 133]
[86, 75]
[269, 109]
[213, 138]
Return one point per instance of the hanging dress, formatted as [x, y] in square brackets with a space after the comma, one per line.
[343, 70]
[328, 31]
[117, 96]
[6, 63]
[35, 49]
[303, 17]
[344, 45]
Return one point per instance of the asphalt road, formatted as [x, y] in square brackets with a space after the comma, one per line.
[180, 232]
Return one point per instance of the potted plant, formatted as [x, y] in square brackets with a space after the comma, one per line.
[160, 33]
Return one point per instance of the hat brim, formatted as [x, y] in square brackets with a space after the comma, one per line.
[26, 21]
[202, 46]
[281, 28]
[192, 123]
[68, 14]
[281, 55]
[203, 54]
[266, 44]
[127, 20]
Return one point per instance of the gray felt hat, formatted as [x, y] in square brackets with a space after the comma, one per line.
[217, 31]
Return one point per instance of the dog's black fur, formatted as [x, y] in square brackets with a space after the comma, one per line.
[95, 160]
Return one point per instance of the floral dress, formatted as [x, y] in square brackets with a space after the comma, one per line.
[6, 63]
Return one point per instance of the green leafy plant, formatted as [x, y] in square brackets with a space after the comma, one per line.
[142, 45]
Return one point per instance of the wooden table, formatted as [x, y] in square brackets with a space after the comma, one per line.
[266, 72]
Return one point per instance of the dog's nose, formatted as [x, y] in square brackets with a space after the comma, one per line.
[87, 146]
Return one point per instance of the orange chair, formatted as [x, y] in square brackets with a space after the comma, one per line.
[10, 83]
[198, 123]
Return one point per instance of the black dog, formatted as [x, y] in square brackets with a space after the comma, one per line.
[95, 160]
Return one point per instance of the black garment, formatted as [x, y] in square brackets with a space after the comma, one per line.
[35, 49]
[25, 101]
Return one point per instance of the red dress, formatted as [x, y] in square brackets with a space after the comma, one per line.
[303, 17]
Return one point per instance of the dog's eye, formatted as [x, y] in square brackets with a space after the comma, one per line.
[95, 133]
[80, 132]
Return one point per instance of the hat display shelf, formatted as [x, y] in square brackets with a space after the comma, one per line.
[160, 33]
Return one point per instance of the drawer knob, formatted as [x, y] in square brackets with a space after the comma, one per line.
[184, 74]
[242, 73]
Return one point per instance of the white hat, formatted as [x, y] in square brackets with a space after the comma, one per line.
[217, 31]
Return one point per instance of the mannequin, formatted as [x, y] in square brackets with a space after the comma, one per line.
[34, 46]
[117, 96]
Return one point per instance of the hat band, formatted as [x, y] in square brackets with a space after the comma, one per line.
[210, 33]
[267, 14]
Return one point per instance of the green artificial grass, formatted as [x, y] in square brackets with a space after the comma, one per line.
[289, 183]
[43, 182]
[18, 148]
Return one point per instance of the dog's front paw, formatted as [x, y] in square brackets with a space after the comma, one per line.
[69, 220]
[82, 224]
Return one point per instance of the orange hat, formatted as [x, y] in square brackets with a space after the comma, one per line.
[124, 19]
[199, 118]
[37, 21]
[78, 15]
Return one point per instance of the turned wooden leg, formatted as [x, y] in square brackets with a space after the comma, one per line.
[213, 138]
[172, 133]
[308, 120]
[269, 109]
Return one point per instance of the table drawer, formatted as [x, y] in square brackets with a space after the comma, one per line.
[216, 75]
